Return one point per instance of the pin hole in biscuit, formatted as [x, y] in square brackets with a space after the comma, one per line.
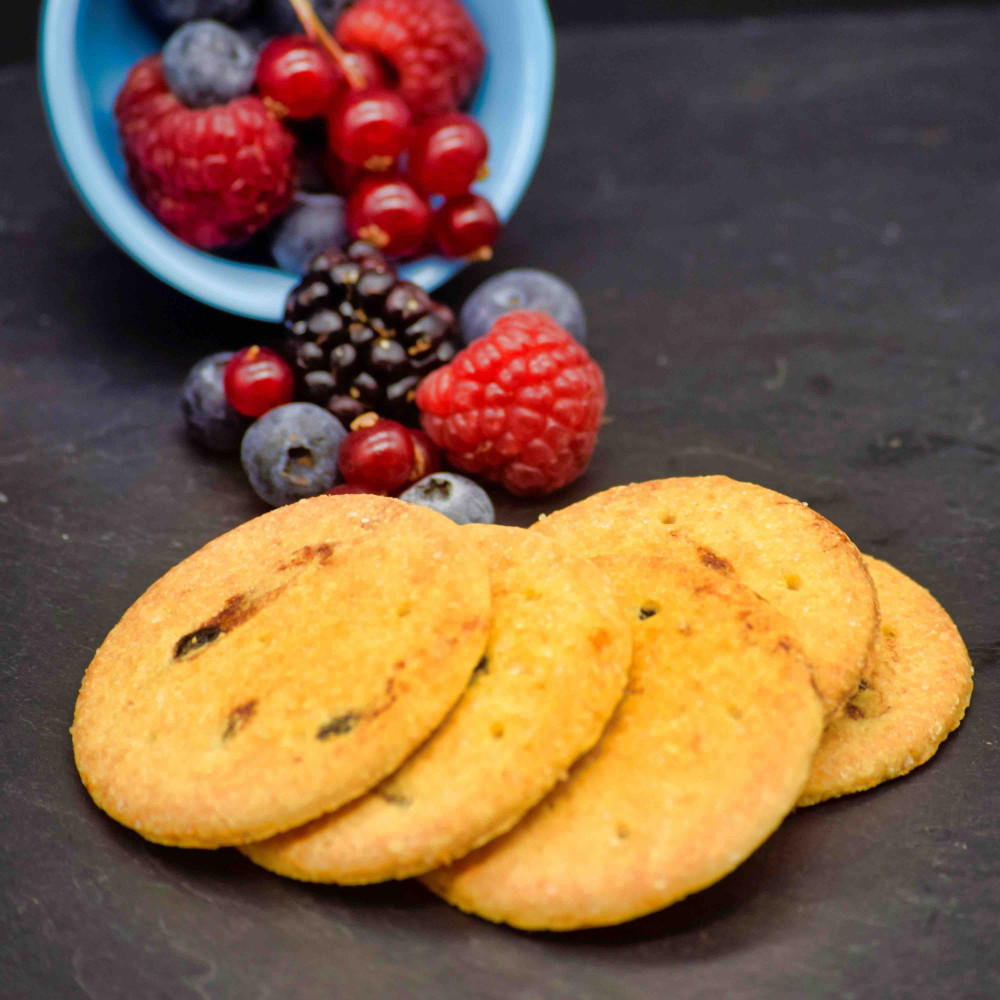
[793, 581]
[668, 518]
[647, 609]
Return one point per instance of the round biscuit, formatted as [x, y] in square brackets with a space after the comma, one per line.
[555, 667]
[705, 755]
[779, 547]
[280, 671]
[916, 694]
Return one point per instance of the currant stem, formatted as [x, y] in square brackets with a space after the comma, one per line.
[316, 30]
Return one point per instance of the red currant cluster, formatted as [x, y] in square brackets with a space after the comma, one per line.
[407, 184]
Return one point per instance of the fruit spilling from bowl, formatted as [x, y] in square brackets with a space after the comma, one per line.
[351, 128]
[367, 359]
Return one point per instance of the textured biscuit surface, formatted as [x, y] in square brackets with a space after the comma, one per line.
[916, 694]
[281, 670]
[705, 755]
[779, 547]
[555, 667]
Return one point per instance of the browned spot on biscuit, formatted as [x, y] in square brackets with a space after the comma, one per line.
[300, 557]
[712, 561]
[239, 717]
[339, 725]
[785, 644]
[853, 712]
[599, 638]
[238, 609]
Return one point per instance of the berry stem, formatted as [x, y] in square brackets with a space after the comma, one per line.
[316, 30]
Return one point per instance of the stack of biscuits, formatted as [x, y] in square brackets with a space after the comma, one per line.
[564, 727]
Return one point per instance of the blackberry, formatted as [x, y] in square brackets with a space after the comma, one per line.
[360, 339]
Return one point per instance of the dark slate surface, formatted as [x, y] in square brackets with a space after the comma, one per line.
[785, 233]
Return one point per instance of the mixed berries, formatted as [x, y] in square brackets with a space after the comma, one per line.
[368, 392]
[242, 111]
[337, 130]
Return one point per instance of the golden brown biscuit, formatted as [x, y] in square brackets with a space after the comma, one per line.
[555, 667]
[280, 671]
[703, 758]
[916, 694]
[779, 547]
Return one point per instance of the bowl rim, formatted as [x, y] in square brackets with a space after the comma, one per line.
[261, 292]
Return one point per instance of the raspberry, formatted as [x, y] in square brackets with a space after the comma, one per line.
[433, 45]
[212, 176]
[520, 406]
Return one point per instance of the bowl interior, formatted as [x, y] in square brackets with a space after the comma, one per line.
[88, 47]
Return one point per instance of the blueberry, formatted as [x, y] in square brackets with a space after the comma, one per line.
[282, 20]
[464, 501]
[314, 223]
[291, 452]
[210, 420]
[522, 288]
[206, 63]
[171, 14]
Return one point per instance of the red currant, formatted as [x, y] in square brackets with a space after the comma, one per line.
[378, 456]
[257, 380]
[448, 153]
[370, 128]
[426, 457]
[297, 74]
[466, 226]
[344, 177]
[368, 68]
[389, 214]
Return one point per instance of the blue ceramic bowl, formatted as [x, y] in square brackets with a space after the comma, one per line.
[87, 48]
